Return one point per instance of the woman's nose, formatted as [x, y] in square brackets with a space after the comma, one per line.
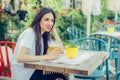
[50, 22]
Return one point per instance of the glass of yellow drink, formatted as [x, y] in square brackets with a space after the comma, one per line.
[52, 45]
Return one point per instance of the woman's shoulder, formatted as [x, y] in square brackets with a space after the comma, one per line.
[28, 31]
[27, 34]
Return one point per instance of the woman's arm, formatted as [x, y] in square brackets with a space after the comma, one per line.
[23, 55]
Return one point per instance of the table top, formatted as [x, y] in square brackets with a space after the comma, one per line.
[84, 68]
[116, 34]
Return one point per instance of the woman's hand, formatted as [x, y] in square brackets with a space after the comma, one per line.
[54, 54]
[51, 56]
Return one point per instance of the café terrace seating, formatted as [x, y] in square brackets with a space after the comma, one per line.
[75, 33]
[114, 49]
[93, 44]
[6, 50]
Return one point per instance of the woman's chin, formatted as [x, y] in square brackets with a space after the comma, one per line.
[47, 30]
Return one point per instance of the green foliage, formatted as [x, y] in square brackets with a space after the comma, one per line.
[15, 28]
[3, 27]
[34, 6]
[111, 15]
[10, 28]
[56, 4]
[65, 21]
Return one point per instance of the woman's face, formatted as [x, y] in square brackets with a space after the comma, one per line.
[47, 22]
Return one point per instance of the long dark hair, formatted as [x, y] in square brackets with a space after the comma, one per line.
[35, 25]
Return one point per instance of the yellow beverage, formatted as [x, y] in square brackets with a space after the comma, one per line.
[53, 45]
[52, 48]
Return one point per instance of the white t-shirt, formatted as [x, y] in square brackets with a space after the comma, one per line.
[26, 39]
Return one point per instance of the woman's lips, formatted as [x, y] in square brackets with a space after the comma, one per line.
[49, 27]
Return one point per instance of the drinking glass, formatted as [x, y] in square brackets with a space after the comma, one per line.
[52, 45]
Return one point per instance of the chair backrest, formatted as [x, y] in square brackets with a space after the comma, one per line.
[5, 47]
[75, 33]
[93, 44]
[112, 42]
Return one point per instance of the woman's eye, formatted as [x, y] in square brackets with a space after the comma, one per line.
[52, 20]
[46, 19]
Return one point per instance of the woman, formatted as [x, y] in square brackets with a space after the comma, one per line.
[32, 45]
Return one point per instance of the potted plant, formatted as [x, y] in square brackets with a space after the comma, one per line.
[72, 50]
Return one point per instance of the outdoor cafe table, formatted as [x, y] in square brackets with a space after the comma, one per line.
[84, 68]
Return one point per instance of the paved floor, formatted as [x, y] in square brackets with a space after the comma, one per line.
[112, 77]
